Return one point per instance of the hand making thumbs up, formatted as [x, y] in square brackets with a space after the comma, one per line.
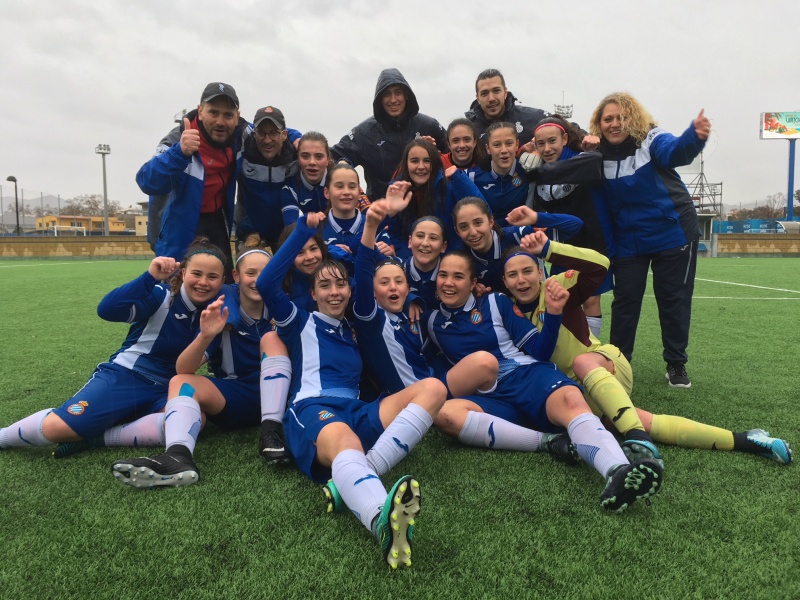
[190, 138]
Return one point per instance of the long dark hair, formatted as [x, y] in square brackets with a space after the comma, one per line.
[573, 137]
[287, 231]
[427, 199]
[200, 245]
[479, 153]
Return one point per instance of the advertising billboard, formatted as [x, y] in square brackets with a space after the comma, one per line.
[780, 125]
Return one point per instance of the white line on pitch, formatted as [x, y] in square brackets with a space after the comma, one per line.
[760, 287]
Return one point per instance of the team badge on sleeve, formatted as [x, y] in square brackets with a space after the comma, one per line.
[77, 408]
[518, 312]
[569, 274]
[475, 316]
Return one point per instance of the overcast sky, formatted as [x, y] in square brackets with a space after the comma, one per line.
[78, 73]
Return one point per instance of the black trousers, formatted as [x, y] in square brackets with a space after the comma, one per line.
[214, 226]
[673, 284]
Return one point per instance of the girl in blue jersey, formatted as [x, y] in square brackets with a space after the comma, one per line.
[434, 192]
[131, 387]
[530, 393]
[332, 433]
[503, 180]
[306, 191]
[477, 228]
[230, 398]
[427, 244]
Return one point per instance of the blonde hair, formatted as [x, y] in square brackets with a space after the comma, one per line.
[636, 121]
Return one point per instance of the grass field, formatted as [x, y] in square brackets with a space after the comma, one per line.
[493, 525]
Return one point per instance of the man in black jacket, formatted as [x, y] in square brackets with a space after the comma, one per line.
[377, 143]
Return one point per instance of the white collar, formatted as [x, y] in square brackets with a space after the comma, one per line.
[338, 228]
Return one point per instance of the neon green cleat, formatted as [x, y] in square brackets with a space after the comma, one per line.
[333, 500]
[394, 526]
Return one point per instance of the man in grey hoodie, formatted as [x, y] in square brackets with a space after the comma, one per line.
[377, 143]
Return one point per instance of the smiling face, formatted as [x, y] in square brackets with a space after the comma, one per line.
[523, 278]
[269, 139]
[502, 147]
[393, 100]
[419, 166]
[550, 141]
[454, 282]
[219, 117]
[427, 244]
[462, 142]
[474, 227]
[203, 276]
[391, 287]
[246, 274]
[342, 192]
[611, 124]
[491, 94]
[308, 258]
[312, 158]
[331, 292]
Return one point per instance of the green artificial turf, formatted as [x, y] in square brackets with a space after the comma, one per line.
[493, 524]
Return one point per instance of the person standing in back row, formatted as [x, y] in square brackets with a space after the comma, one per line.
[192, 177]
[377, 143]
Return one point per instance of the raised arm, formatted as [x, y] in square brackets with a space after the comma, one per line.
[212, 322]
[133, 300]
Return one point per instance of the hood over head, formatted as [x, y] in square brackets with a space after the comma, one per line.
[385, 79]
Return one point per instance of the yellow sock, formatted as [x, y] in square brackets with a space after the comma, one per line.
[678, 431]
[612, 399]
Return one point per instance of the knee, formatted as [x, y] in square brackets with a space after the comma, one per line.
[271, 345]
[431, 396]
[488, 364]
[55, 430]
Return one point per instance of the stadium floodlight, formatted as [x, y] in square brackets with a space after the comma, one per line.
[16, 201]
[102, 150]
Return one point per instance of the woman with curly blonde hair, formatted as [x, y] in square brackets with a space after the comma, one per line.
[654, 221]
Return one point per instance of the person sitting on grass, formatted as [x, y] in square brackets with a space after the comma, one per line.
[331, 433]
[602, 369]
[230, 399]
[122, 403]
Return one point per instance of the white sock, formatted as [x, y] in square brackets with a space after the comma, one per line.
[595, 325]
[182, 422]
[399, 438]
[488, 431]
[276, 378]
[595, 444]
[358, 485]
[26, 432]
[147, 431]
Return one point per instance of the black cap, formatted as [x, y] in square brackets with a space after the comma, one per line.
[273, 114]
[215, 89]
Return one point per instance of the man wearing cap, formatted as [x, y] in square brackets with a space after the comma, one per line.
[192, 176]
[269, 161]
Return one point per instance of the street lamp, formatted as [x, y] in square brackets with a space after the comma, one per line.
[16, 201]
[102, 150]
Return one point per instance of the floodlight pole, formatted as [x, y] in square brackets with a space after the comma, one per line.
[790, 199]
[102, 150]
[16, 200]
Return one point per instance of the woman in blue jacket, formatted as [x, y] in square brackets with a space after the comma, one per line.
[654, 221]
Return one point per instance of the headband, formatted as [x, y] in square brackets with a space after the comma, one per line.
[522, 253]
[212, 251]
[390, 260]
[430, 218]
[549, 125]
[254, 250]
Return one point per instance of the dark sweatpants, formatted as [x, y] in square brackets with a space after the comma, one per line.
[214, 227]
[673, 285]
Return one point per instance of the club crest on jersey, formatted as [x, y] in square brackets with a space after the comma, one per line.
[324, 415]
[516, 181]
[569, 274]
[414, 328]
[540, 315]
[475, 316]
[518, 126]
[77, 408]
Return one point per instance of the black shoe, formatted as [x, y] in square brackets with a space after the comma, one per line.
[560, 447]
[271, 444]
[628, 483]
[676, 375]
[166, 469]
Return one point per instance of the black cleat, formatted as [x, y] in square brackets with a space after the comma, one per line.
[628, 483]
[560, 447]
[272, 444]
[166, 469]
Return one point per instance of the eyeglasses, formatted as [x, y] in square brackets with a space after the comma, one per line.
[273, 135]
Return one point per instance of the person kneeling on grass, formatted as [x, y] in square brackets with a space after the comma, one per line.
[331, 433]
[230, 399]
[131, 386]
